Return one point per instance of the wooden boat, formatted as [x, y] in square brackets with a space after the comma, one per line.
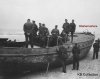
[21, 59]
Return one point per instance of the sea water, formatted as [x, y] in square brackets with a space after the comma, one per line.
[21, 37]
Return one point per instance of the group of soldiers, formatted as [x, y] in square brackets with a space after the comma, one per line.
[63, 55]
[31, 31]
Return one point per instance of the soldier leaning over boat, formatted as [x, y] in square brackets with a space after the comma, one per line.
[28, 29]
[95, 49]
[75, 52]
[62, 55]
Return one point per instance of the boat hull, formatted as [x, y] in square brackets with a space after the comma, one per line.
[15, 60]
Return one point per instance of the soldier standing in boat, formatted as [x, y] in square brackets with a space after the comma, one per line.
[35, 28]
[55, 31]
[28, 28]
[55, 34]
[43, 33]
[75, 52]
[40, 30]
[66, 27]
[95, 49]
[63, 35]
[34, 32]
[62, 55]
[72, 29]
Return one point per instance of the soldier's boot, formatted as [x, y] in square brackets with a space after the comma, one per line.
[96, 55]
[77, 66]
[26, 45]
[64, 67]
[74, 65]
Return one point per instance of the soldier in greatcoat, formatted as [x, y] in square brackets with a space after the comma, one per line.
[66, 27]
[72, 29]
[28, 28]
[55, 34]
[62, 55]
[75, 52]
[34, 32]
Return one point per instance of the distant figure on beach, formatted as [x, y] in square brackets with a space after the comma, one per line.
[62, 55]
[28, 29]
[66, 27]
[95, 49]
[55, 34]
[72, 29]
[75, 52]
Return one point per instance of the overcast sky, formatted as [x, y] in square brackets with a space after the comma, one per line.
[14, 13]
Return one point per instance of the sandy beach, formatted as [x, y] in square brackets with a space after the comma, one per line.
[89, 69]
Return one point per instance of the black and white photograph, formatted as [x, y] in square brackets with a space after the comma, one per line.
[49, 39]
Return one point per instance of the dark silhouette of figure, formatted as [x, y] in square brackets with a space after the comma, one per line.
[28, 28]
[62, 55]
[99, 41]
[55, 31]
[76, 52]
[35, 28]
[43, 33]
[55, 34]
[34, 32]
[45, 30]
[72, 29]
[95, 49]
[63, 35]
[66, 27]
[40, 25]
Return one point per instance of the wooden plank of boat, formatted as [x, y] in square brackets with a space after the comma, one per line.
[24, 59]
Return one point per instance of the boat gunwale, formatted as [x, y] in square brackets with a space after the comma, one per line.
[26, 55]
[46, 47]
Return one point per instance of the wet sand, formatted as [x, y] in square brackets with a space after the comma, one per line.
[89, 69]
